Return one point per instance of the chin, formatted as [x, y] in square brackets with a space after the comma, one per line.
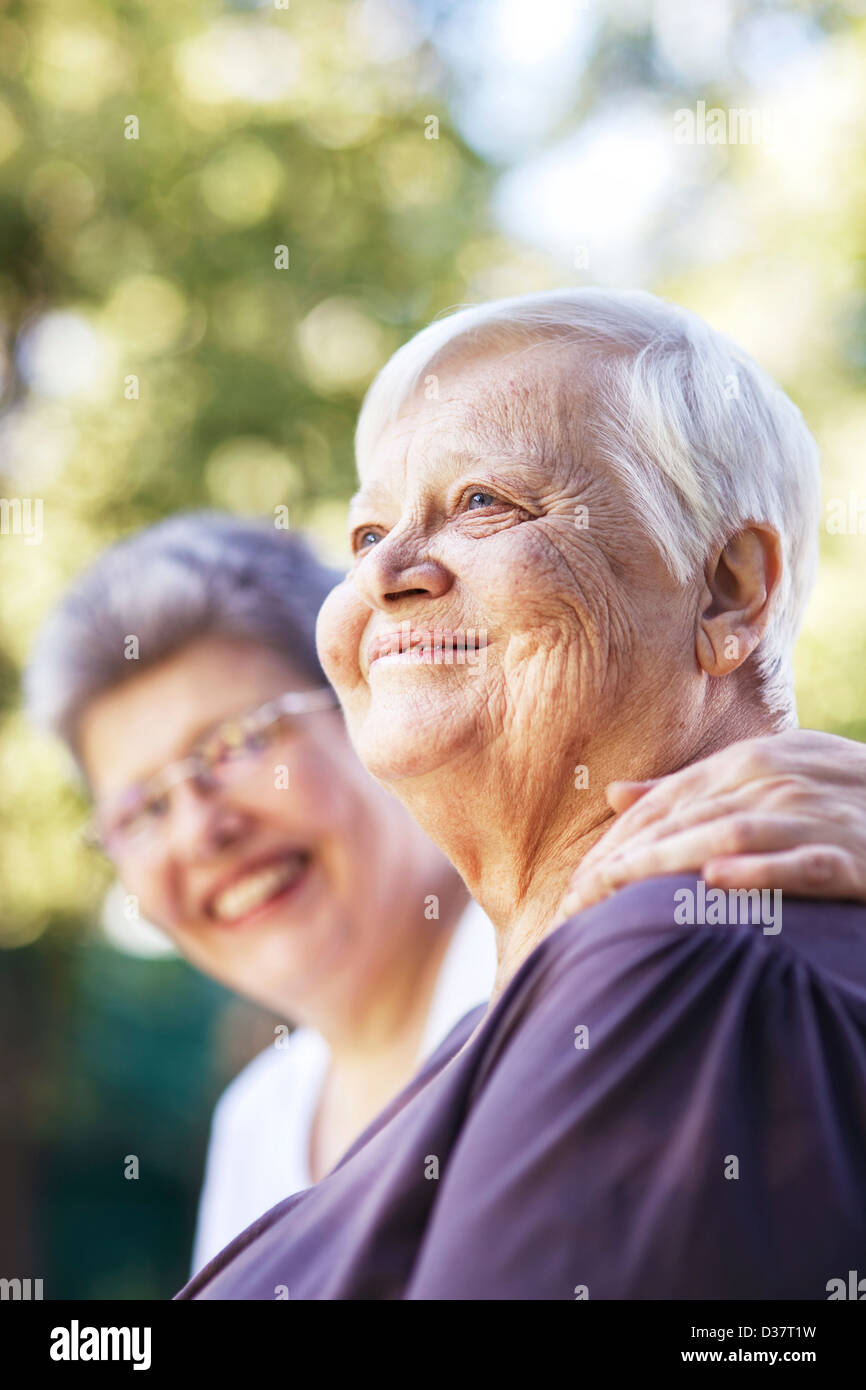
[396, 743]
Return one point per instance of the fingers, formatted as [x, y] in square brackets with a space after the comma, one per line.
[796, 773]
[752, 812]
[653, 804]
[622, 795]
[628, 833]
[724, 771]
[688, 850]
[750, 793]
[826, 757]
[801, 759]
[809, 871]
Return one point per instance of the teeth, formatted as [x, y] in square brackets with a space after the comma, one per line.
[434, 645]
[255, 888]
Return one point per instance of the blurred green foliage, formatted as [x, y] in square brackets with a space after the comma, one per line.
[160, 352]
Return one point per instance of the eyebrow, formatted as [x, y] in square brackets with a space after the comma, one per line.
[370, 492]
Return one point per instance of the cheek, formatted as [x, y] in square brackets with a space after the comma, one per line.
[323, 794]
[307, 802]
[568, 621]
[535, 581]
[339, 628]
[157, 901]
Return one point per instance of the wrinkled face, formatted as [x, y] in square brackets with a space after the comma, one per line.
[483, 515]
[280, 883]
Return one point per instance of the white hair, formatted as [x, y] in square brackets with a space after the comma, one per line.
[701, 437]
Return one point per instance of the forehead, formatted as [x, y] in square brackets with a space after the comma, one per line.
[527, 404]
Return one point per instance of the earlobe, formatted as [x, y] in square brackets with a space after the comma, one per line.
[720, 650]
[740, 587]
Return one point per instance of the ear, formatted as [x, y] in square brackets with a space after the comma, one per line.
[741, 585]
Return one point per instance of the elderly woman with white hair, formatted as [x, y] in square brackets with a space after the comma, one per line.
[613, 511]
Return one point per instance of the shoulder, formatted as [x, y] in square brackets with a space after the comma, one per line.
[655, 1108]
[665, 921]
[632, 987]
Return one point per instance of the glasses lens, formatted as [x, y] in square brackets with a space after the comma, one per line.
[238, 749]
[139, 824]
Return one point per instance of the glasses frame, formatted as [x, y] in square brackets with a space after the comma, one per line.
[195, 766]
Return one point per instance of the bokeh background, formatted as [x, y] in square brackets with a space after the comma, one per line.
[409, 155]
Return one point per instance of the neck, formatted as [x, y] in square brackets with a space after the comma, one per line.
[375, 1043]
[517, 844]
[364, 1028]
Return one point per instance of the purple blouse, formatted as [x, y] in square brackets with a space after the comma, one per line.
[649, 1111]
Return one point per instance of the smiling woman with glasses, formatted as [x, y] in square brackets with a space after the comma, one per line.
[229, 799]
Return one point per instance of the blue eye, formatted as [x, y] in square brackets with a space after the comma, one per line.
[363, 537]
[479, 498]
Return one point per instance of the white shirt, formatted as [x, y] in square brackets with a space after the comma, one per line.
[260, 1133]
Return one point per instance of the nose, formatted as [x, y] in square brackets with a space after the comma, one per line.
[203, 822]
[399, 567]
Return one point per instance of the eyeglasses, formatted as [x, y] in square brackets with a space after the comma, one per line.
[232, 752]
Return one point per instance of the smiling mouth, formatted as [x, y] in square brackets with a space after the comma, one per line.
[429, 647]
[258, 889]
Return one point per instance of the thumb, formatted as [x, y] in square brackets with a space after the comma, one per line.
[622, 795]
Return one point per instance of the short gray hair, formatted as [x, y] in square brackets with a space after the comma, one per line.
[702, 438]
[199, 574]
